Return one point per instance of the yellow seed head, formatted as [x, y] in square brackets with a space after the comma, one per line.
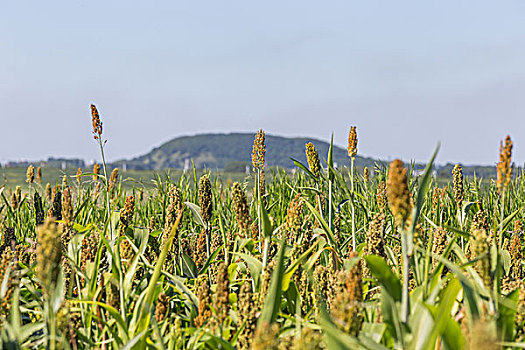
[30, 174]
[313, 159]
[352, 142]
[49, 254]
[113, 179]
[457, 174]
[97, 124]
[79, 176]
[96, 171]
[398, 192]
[39, 175]
[49, 192]
[67, 207]
[381, 196]
[504, 168]
[258, 150]
[241, 209]
[205, 198]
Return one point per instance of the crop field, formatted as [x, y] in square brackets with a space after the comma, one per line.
[320, 259]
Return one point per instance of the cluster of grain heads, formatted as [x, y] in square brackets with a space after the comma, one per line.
[174, 206]
[221, 301]
[205, 300]
[55, 211]
[96, 172]
[39, 175]
[352, 142]
[459, 193]
[259, 150]
[247, 314]
[241, 210]
[266, 337]
[126, 220]
[381, 196]
[439, 244]
[49, 254]
[480, 248]
[348, 305]
[398, 192]
[97, 124]
[504, 169]
[375, 243]
[38, 208]
[30, 174]
[312, 157]
[112, 182]
[8, 271]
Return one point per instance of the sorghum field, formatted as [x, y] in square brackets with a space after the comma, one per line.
[324, 259]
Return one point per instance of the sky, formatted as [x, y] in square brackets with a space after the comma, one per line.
[408, 74]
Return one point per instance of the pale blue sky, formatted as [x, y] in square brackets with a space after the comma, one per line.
[407, 73]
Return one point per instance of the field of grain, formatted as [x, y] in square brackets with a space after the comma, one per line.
[321, 259]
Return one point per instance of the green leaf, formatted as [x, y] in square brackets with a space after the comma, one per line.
[265, 221]
[324, 225]
[507, 315]
[189, 269]
[384, 275]
[291, 270]
[196, 211]
[444, 326]
[302, 166]
[144, 315]
[420, 199]
[254, 265]
[210, 260]
[330, 159]
[272, 302]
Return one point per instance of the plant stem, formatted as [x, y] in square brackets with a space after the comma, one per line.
[405, 301]
[352, 202]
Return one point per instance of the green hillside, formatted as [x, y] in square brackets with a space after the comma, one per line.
[219, 151]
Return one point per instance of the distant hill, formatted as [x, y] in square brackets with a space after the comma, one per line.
[233, 151]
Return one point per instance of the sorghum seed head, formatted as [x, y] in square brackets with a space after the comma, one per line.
[30, 174]
[204, 297]
[241, 209]
[64, 182]
[49, 254]
[56, 207]
[39, 175]
[49, 192]
[381, 196]
[348, 313]
[113, 179]
[67, 207]
[457, 173]
[366, 174]
[518, 226]
[352, 142]
[79, 175]
[398, 191]
[96, 171]
[126, 215]
[222, 293]
[162, 307]
[504, 168]
[439, 244]
[313, 159]
[258, 150]
[97, 124]
[205, 198]
[479, 245]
